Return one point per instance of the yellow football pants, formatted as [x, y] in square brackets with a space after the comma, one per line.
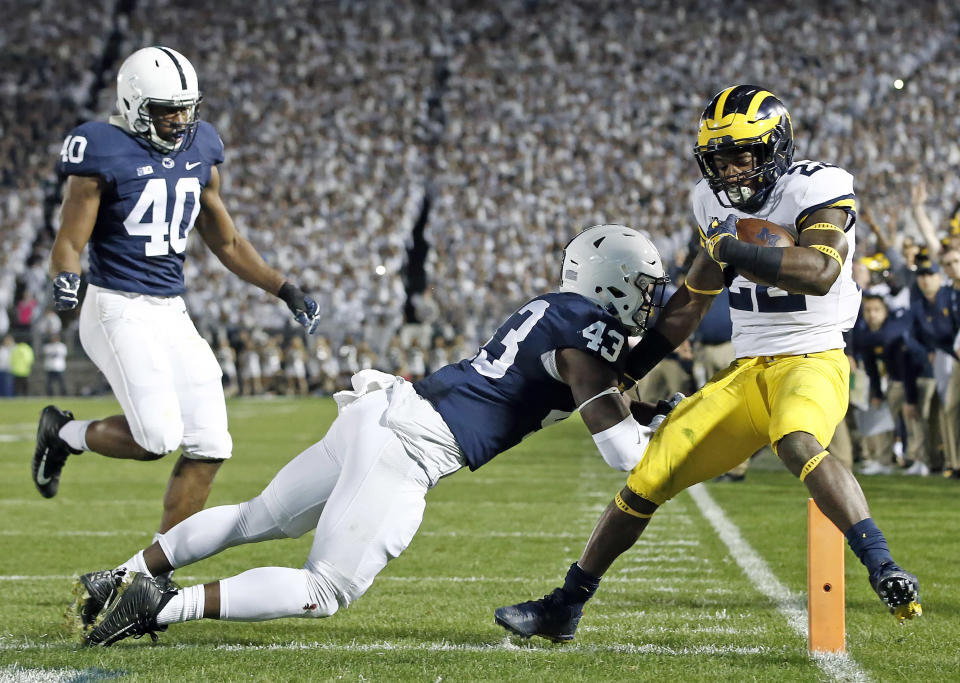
[754, 402]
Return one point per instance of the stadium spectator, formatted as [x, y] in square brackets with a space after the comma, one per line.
[935, 312]
[227, 358]
[6, 373]
[54, 354]
[250, 374]
[878, 344]
[295, 367]
[21, 364]
[26, 311]
[950, 418]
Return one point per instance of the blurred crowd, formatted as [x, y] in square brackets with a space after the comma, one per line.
[418, 167]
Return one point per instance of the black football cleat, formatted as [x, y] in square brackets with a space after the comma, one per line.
[91, 594]
[51, 451]
[132, 612]
[550, 617]
[899, 590]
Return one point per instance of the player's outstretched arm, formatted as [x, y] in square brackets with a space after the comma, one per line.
[679, 318]
[217, 229]
[78, 215]
[594, 384]
[235, 251]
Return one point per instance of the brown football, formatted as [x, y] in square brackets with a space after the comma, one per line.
[763, 233]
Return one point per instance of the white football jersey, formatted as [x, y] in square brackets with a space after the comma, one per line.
[768, 321]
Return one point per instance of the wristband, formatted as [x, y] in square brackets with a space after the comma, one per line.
[652, 349]
[764, 262]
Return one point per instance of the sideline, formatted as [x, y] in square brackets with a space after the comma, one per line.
[791, 605]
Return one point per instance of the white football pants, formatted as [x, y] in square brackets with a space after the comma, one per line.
[163, 373]
[362, 487]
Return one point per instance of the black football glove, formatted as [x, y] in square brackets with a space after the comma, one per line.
[66, 288]
[305, 310]
[664, 408]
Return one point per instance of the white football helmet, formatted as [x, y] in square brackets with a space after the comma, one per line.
[160, 76]
[617, 268]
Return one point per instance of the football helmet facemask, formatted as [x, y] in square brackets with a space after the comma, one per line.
[164, 79]
[618, 269]
[745, 118]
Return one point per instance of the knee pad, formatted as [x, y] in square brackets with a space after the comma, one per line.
[208, 444]
[257, 523]
[160, 438]
[328, 589]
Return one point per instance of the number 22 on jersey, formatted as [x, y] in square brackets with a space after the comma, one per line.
[164, 235]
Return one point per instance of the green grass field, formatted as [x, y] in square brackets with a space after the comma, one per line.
[676, 607]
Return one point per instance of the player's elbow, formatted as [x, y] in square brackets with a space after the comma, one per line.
[824, 283]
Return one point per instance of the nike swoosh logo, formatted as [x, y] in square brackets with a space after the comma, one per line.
[42, 478]
[192, 164]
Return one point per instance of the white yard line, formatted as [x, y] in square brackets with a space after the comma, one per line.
[789, 604]
[442, 646]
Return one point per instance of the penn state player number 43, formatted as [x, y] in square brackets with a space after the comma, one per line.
[363, 486]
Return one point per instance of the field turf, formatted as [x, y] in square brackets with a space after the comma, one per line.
[678, 606]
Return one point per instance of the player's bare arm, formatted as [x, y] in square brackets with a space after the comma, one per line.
[234, 251]
[588, 377]
[811, 267]
[78, 214]
[679, 318]
[814, 265]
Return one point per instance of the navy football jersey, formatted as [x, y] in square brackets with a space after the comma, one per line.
[505, 392]
[148, 204]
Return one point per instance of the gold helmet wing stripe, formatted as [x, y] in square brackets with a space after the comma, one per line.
[736, 128]
[755, 103]
[721, 103]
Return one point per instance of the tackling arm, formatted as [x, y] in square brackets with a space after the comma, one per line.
[679, 318]
[620, 439]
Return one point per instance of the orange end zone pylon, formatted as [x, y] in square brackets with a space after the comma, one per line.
[825, 585]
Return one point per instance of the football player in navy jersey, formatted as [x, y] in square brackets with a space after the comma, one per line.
[135, 188]
[363, 486]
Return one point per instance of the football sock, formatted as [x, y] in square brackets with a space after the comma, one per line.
[869, 544]
[211, 530]
[579, 586]
[169, 574]
[74, 433]
[186, 605]
[136, 564]
[275, 592]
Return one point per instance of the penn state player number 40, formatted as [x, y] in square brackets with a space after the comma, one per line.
[135, 187]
